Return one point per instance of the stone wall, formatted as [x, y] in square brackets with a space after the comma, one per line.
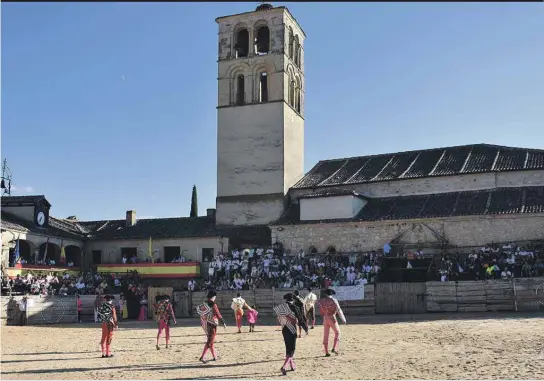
[440, 184]
[365, 236]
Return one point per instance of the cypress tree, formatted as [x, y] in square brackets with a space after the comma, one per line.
[194, 203]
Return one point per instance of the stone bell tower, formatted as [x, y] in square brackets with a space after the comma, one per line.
[260, 114]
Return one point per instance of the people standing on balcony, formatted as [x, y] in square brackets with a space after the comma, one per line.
[329, 308]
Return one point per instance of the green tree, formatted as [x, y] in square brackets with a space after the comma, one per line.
[194, 203]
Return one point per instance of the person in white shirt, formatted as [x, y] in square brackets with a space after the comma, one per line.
[309, 306]
[506, 274]
[191, 285]
[22, 310]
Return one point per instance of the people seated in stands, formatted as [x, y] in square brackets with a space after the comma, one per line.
[134, 259]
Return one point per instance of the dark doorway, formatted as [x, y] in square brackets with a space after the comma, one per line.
[207, 255]
[171, 253]
[97, 257]
[73, 254]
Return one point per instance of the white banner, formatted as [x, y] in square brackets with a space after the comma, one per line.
[349, 292]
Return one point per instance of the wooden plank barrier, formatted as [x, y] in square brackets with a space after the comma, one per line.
[441, 297]
[471, 296]
[525, 294]
[51, 310]
[499, 295]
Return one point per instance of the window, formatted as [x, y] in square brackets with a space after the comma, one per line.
[97, 257]
[299, 56]
[297, 95]
[207, 255]
[129, 252]
[171, 253]
[296, 52]
[292, 92]
[242, 43]
[240, 90]
[262, 42]
[263, 87]
[291, 42]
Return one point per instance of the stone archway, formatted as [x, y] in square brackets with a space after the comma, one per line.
[53, 252]
[25, 251]
[73, 254]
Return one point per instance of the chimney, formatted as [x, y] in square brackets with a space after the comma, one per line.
[210, 213]
[131, 218]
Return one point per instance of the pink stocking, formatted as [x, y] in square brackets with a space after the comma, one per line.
[292, 363]
[287, 358]
[108, 349]
[204, 351]
[212, 349]
[102, 345]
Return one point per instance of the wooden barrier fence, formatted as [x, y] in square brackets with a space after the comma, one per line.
[486, 295]
[466, 296]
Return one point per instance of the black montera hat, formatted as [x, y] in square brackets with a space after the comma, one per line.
[211, 294]
[109, 297]
[296, 292]
[329, 291]
[289, 297]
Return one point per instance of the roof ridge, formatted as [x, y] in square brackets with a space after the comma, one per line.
[431, 149]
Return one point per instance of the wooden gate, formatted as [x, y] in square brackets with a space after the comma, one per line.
[152, 292]
[400, 298]
[183, 306]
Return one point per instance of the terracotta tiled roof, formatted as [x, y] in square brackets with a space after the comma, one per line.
[457, 160]
[484, 202]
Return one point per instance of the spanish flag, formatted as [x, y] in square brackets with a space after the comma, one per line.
[150, 254]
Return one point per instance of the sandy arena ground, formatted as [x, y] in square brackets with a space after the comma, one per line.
[378, 347]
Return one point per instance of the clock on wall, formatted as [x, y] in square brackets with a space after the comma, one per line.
[40, 218]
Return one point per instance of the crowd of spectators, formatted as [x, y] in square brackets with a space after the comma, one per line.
[493, 262]
[66, 284]
[260, 268]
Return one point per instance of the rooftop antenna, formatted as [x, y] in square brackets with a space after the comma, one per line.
[6, 179]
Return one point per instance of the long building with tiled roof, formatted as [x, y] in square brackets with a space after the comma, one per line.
[448, 161]
[467, 195]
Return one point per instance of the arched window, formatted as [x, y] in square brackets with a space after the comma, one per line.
[297, 95]
[263, 87]
[240, 90]
[292, 92]
[296, 51]
[242, 43]
[291, 42]
[262, 41]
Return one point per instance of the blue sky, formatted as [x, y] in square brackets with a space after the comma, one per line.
[111, 106]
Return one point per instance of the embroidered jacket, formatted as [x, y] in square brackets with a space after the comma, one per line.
[329, 308]
[288, 315]
[209, 314]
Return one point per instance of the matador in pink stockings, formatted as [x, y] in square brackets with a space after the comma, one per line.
[329, 308]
